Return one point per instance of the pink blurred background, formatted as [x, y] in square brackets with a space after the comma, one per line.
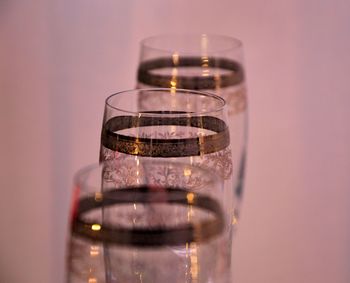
[61, 59]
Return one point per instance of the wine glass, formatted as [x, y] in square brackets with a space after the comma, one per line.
[184, 125]
[203, 62]
[146, 231]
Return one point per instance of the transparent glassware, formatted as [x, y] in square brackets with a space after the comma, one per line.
[145, 231]
[183, 125]
[205, 62]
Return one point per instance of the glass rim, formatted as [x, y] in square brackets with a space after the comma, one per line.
[165, 114]
[235, 42]
[144, 237]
